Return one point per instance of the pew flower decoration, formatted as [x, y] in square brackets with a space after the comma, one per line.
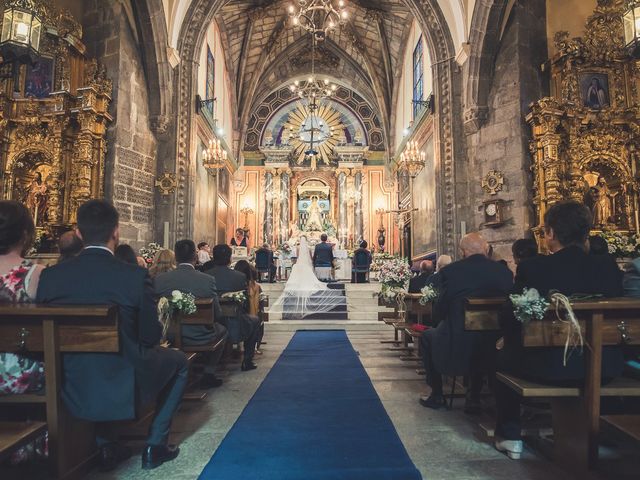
[529, 305]
[378, 260]
[429, 293]
[239, 297]
[149, 253]
[177, 304]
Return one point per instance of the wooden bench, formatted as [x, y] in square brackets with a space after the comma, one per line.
[627, 424]
[53, 331]
[482, 314]
[603, 322]
[14, 435]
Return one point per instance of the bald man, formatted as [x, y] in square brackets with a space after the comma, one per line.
[448, 349]
[69, 245]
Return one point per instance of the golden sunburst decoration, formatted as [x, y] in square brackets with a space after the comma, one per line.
[314, 132]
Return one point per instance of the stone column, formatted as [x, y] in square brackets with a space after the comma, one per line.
[268, 208]
[284, 208]
[342, 208]
[358, 220]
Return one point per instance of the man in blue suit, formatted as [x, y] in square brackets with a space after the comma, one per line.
[323, 259]
[107, 387]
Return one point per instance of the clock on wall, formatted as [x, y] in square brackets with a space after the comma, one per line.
[493, 213]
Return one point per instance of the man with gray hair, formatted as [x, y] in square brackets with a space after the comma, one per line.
[423, 279]
[448, 348]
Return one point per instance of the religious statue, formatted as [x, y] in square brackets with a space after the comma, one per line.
[314, 215]
[602, 207]
[36, 199]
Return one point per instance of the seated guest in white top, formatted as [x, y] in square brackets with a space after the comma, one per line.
[204, 253]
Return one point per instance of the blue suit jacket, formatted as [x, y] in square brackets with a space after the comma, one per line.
[102, 386]
[323, 255]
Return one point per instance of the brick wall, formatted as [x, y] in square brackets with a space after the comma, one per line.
[502, 142]
[131, 155]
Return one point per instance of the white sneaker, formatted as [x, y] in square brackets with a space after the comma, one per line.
[513, 448]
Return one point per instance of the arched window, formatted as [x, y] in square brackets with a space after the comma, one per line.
[418, 78]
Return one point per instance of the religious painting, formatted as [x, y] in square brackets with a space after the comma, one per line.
[39, 80]
[424, 224]
[594, 88]
[210, 80]
[223, 183]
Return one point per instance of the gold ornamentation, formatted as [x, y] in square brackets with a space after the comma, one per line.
[492, 182]
[167, 183]
[585, 136]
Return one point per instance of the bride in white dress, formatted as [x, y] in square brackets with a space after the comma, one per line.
[303, 293]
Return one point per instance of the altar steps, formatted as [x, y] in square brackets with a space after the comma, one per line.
[361, 305]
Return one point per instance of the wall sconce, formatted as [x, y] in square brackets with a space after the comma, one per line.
[246, 211]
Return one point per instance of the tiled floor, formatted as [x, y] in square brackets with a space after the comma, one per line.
[443, 444]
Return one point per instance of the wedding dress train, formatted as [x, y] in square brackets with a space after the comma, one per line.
[303, 293]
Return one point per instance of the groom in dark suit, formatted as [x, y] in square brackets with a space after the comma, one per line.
[103, 387]
[323, 259]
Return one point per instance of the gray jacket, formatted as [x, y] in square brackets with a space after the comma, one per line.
[188, 280]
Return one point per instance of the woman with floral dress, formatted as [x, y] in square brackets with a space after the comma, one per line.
[19, 373]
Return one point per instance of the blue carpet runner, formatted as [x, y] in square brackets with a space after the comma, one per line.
[316, 416]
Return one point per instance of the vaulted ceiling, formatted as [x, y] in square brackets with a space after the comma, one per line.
[264, 50]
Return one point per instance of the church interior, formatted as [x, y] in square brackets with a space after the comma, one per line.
[414, 137]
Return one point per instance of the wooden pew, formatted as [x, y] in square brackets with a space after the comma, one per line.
[481, 314]
[603, 322]
[53, 331]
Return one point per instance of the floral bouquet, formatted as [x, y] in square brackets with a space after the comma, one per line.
[429, 293]
[622, 245]
[239, 297]
[529, 305]
[149, 252]
[395, 273]
[378, 260]
[177, 304]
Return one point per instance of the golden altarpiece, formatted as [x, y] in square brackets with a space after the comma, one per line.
[586, 135]
[52, 128]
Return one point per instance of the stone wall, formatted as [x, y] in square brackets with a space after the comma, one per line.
[502, 141]
[131, 154]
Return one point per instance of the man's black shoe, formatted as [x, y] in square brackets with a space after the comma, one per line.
[111, 455]
[433, 401]
[248, 365]
[155, 455]
[209, 381]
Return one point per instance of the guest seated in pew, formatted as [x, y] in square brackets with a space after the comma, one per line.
[448, 348]
[164, 261]
[443, 261]
[18, 284]
[242, 328]
[424, 278]
[524, 248]
[188, 280]
[110, 387]
[569, 270]
[69, 245]
[125, 254]
[253, 293]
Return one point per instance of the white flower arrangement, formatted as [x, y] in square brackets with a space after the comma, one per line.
[178, 303]
[378, 260]
[529, 305]
[622, 245]
[429, 293]
[395, 273]
[239, 297]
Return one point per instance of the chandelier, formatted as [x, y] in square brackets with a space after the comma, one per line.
[214, 157]
[313, 89]
[412, 160]
[318, 17]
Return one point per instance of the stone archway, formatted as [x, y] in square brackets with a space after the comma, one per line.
[447, 90]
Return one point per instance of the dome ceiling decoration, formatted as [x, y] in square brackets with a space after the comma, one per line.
[357, 116]
[313, 132]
